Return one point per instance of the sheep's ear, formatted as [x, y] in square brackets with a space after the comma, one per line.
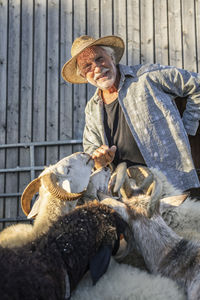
[35, 209]
[66, 185]
[175, 200]
[99, 263]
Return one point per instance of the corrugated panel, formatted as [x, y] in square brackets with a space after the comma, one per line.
[36, 105]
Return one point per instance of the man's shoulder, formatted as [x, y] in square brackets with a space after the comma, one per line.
[142, 69]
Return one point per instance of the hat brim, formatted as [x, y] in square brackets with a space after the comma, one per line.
[69, 70]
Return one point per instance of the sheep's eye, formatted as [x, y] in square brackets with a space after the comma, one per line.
[68, 170]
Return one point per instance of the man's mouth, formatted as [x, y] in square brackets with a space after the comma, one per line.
[102, 75]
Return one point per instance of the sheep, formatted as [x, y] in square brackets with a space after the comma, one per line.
[179, 211]
[164, 252]
[59, 186]
[123, 282]
[183, 218]
[51, 266]
[98, 181]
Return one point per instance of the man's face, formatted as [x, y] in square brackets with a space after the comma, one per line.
[97, 67]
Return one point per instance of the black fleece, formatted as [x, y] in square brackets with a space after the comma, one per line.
[37, 271]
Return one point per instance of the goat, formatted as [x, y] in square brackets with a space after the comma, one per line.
[164, 251]
[59, 186]
[179, 211]
[51, 266]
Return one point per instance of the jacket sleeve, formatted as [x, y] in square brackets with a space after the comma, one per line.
[92, 136]
[185, 84]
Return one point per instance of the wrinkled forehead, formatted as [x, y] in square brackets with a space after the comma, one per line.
[89, 54]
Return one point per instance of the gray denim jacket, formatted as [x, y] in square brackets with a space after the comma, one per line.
[146, 95]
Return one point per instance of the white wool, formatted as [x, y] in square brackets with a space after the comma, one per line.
[123, 282]
[184, 219]
[168, 188]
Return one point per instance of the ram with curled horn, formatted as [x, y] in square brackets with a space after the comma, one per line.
[50, 182]
[59, 187]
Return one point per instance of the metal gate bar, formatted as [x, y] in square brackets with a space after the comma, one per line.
[32, 168]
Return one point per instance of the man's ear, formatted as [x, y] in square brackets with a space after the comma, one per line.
[99, 263]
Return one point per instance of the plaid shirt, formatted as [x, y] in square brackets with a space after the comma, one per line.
[146, 95]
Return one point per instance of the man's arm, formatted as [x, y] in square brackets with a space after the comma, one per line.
[185, 84]
[93, 142]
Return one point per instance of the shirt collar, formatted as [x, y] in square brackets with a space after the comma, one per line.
[125, 71]
[97, 96]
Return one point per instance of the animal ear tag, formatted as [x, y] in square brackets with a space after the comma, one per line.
[99, 263]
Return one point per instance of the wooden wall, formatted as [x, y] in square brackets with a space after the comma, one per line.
[36, 105]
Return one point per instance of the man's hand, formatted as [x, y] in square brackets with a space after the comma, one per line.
[103, 156]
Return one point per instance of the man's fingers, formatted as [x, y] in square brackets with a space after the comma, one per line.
[103, 150]
[113, 148]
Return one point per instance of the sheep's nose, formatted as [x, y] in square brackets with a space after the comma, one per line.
[89, 159]
[107, 169]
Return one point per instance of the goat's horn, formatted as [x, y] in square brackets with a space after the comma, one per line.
[154, 202]
[31, 189]
[143, 177]
[120, 176]
[50, 182]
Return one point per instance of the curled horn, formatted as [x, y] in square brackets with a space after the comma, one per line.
[144, 179]
[50, 182]
[154, 202]
[148, 185]
[31, 189]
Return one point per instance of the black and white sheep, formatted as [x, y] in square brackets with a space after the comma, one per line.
[164, 252]
[51, 266]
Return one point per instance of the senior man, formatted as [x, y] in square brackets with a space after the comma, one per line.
[132, 116]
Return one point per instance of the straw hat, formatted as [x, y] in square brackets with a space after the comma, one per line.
[69, 70]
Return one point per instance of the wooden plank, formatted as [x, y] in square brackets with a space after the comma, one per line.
[133, 32]
[3, 91]
[79, 95]
[161, 37]
[189, 43]
[52, 80]
[192, 41]
[175, 34]
[39, 78]
[66, 99]
[13, 103]
[106, 23]
[120, 23]
[147, 51]
[197, 17]
[92, 30]
[25, 112]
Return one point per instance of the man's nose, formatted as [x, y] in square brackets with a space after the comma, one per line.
[97, 67]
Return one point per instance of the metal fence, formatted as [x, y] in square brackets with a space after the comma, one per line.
[32, 169]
